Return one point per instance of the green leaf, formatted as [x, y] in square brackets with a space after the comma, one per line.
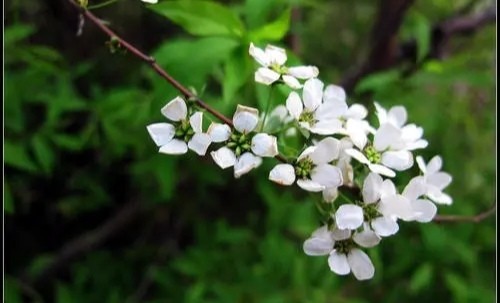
[12, 291]
[8, 202]
[422, 32]
[43, 153]
[237, 70]
[16, 33]
[273, 31]
[17, 156]
[422, 278]
[377, 81]
[202, 18]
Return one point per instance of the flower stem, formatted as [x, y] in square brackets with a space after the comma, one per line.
[103, 4]
[268, 106]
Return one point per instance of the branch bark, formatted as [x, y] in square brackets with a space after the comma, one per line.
[387, 52]
[464, 219]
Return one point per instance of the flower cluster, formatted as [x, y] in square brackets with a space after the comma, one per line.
[349, 161]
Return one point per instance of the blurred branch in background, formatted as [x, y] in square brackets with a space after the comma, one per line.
[88, 241]
[463, 219]
[388, 52]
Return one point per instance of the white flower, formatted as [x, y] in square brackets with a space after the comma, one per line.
[243, 149]
[312, 169]
[435, 180]
[343, 255]
[176, 138]
[272, 60]
[381, 207]
[410, 135]
[385, 153]
[315, 112]
[423, 209]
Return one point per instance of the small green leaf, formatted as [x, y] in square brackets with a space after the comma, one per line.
[422, 32]
[12, 291]
[15, 155]
[237, 70]
[43, 153]
[16, 33]
[273, 31]
[8, 202]
[422, 278]
[377, 81]
[203, 18]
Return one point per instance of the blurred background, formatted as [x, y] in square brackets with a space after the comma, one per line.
[94, 214]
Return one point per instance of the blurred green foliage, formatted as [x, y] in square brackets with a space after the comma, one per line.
[76, 150]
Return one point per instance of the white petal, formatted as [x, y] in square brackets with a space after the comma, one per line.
[317, 246]
[340, 234]
[387, 188]
[224, 157]
[310, 185]
[303, 72]
[425, 210]
[396, 206]
[246, 163]
[357, 111]
[338, 263]
[306, 153]
[349, 216]
[356, 131]
[335, 94]
[397, 115]
[245, 118]
[219, 132]
[259, 55]
[312, 93]
[330, 194]
[398, 160]
[161, 133]
[371, 188]
[439, 180]
[283, 174]
[419, 144]
[421, 164]
[385, 226]
[329, 111]
[275, 54]
[150, 1]
[327, 175]
[291, 82]
[326, 151]
[356, 154]
[175, 110]
[174, 147]
[415, 188]
[366, 238]
[196, 121]
[438, 196]
[361, 265]
[264, 145]
[326, 127]
[387, 135]
[199, 143]
[381, 170]
[266, 76]
[381, 113]
[434, 165]
[294, 105]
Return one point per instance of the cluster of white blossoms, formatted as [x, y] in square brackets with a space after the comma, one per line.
[348, 160]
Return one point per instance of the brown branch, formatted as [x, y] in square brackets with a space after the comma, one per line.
[157, 68]
[387, 52]
[464, 219]
[87, 241]
[383, 54]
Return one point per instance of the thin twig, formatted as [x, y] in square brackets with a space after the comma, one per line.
[463, 219]
[88, 241]
[152, 62]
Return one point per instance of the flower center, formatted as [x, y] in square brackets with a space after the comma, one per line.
[344, 246]
[370, 212]
[240, 143]
[184, 131]
[307, 116]
[303, 168]
[372, 154]
[280, 69]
